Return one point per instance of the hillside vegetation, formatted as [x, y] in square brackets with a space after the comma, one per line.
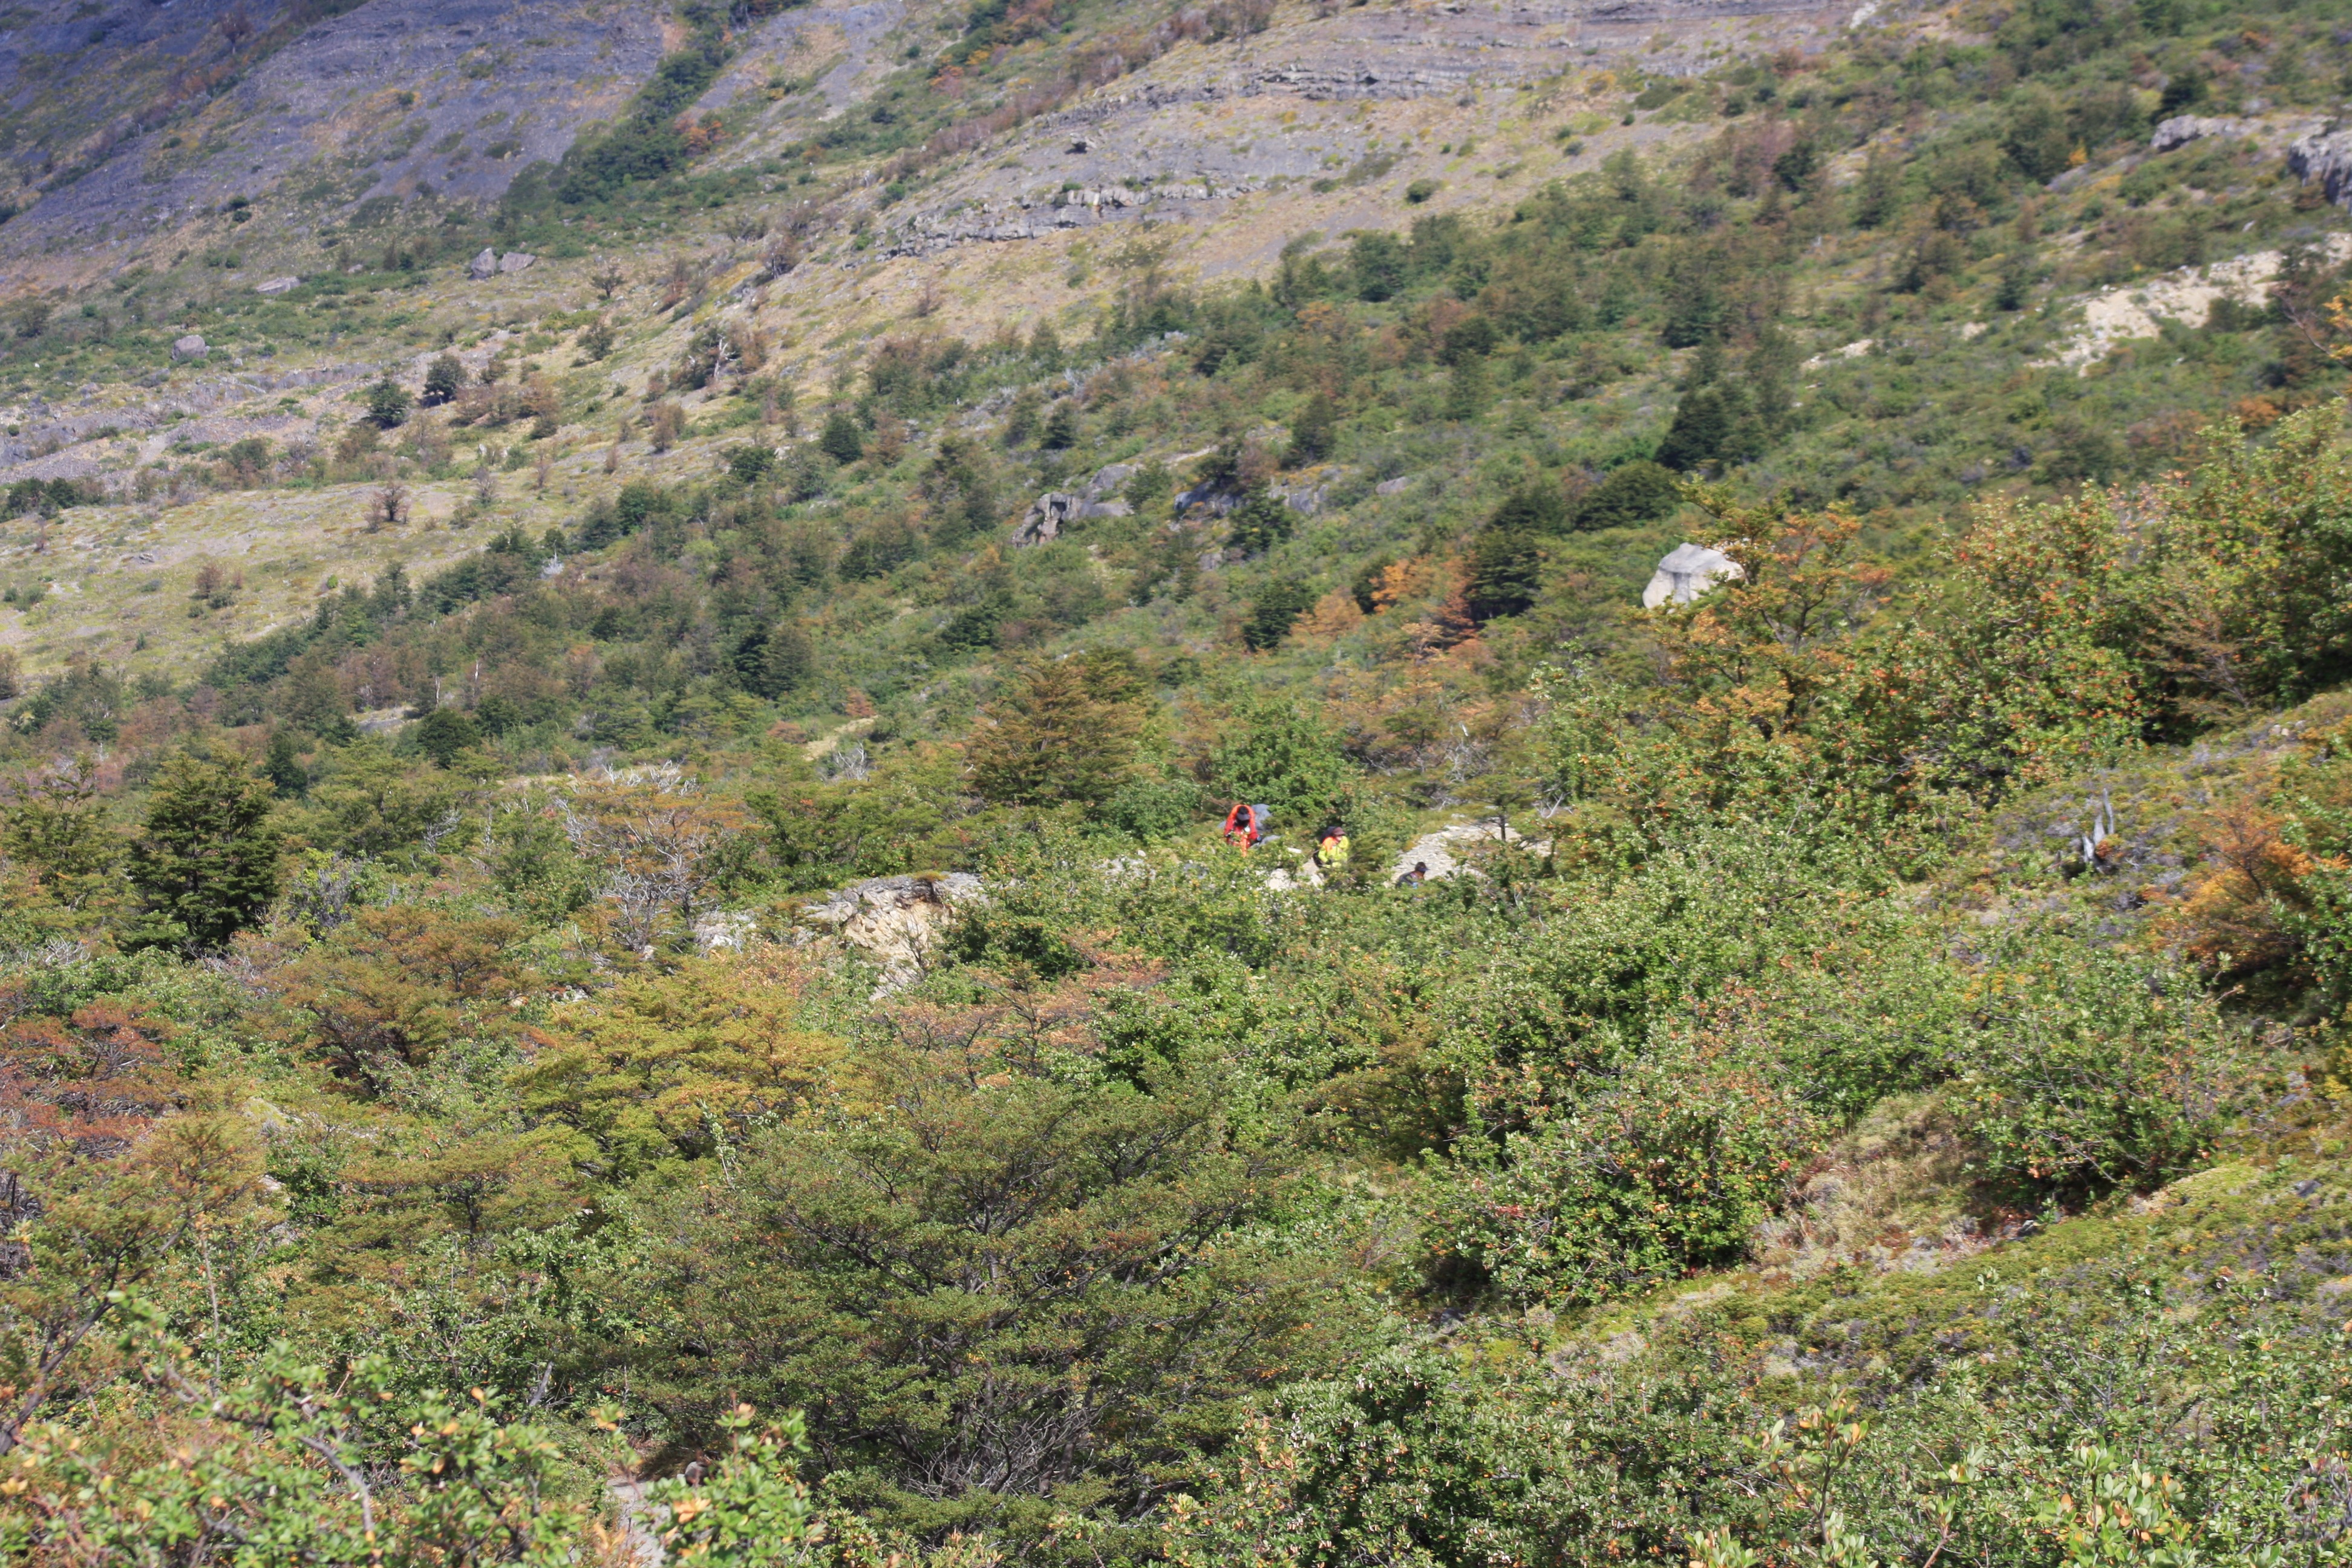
[622, 929]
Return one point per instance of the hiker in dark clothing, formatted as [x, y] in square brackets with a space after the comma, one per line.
[1416, 877]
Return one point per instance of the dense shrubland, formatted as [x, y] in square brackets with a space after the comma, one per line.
[1880, 1100]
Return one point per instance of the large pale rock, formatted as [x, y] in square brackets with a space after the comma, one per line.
[1688, 571]
[189, 347]
[893, 922]
[1056, 510]
[1452, 850]
[2182, 129]
[2324, 157]
[277, 286]
[516, 261]
[483, 266]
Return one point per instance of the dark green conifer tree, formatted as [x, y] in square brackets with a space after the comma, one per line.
[205, 865]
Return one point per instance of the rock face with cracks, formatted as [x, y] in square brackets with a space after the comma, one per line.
[397, 103]
[394, 101]
[2326, 158]
[892, 921]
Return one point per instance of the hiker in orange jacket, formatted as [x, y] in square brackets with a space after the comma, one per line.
[1245, 826]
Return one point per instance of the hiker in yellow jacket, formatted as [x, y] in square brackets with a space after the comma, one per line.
[1331, 849]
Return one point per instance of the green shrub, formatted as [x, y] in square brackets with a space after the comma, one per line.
[1147, 810]
[2085, 1070]
[1279, 754]
[443, 733]
[1661, 1171]
[749, 463]
[387, 402]
[1263, 520]
[840, 439]
[1505, 572]
[1000, 1299]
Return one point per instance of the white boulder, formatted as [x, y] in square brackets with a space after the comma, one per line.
[1688, 571]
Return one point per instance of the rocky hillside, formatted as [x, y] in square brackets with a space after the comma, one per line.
[317, 200]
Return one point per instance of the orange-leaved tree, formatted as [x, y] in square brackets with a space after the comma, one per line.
[388, 991]
[1762, 670]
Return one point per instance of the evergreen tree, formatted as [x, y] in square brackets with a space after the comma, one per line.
[1473, 337]
[1878, 194]
[387, 403]
[1795, 167]
[1465, 392]
[1506, 570]
[1045, 349]
[1020, 418]
[1694, 305]
[1770, 372]
[1634, 492]
[1538, 508]
[1379, 260]
[1274, 611]
[283, 766]
[1262, 521]
[1061, 431]
[962, 486]
[840, 439]
[445, 732]
[1701, 430]
[775, 660]
[206, 866]
[55, 823]
[1312, 432]
[1055, 738]
[2016, 285]
[2184, 90]
[749, 463]
[443, 379]
[1279, 754]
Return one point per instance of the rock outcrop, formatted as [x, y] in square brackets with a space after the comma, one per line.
[189, 347]
[892, 921]
[1451, 850]
[1056, 510]
[491, 264]
[481, 89]
[2182, 129]
[2325, 156]
[2186, 294]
